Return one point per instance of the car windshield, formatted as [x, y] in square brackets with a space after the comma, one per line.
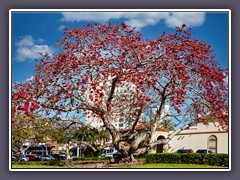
[182, 151]
[201, 151]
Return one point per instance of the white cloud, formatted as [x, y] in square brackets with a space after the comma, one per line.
[40, 40]
[226, 81]
[30, 78]
[61, 28]
[189, 18]
[139, 19]
[25, 41]
[28, 49]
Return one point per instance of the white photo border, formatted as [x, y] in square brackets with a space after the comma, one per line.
[116, 10]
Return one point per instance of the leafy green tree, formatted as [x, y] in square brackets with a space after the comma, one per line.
[90, 138]
[27, 130]
[168, 124]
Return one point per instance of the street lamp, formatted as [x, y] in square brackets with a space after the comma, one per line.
[42, 150]
[80, 149]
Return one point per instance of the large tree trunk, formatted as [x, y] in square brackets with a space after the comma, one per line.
[131, 147]
[128, 149]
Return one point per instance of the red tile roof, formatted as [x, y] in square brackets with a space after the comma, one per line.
[143, 126]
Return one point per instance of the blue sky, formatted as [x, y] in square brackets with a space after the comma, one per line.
[38, 31]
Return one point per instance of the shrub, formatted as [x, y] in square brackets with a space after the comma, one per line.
[57, 163]
[141, 156]
[79, 159]
[90, 159]
[163, 158]
[90, 153]
[190, 158]
[195, 158]
[217, 159]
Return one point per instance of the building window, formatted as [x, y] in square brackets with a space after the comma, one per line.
[120, 125]
[212, 143]
[120, 120]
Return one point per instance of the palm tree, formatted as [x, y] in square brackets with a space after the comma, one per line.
[91, 136]
[168, 124]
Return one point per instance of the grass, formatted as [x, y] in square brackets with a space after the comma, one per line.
[169, 166]
[52, 164]
[41, 165]
[32, 166]
[90, 160]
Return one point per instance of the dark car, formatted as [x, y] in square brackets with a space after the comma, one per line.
[204, 151]
[60, 156]
[33, 158]
[185, 151]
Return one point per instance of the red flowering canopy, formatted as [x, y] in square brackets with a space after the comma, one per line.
[98, 61]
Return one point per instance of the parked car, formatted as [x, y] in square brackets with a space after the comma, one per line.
[33, 157]
[204, 151]
[23, 157]
[60, 156]
[46, 157]
[109, 152]
[185, 151]
[14, 158]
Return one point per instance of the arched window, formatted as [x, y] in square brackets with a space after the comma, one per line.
[160, 147]
[212, 143]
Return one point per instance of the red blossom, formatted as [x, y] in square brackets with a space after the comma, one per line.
[171, 68]
[124, 25]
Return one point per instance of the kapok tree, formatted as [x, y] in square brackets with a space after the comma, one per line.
[98, 61]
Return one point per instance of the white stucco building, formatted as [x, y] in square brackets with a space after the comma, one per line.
[201, 136]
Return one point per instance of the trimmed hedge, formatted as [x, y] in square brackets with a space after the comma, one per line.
[188, 158]
[217, 159]
[90, 158]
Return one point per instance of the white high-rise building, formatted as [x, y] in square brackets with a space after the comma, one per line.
[122, 106]
[122, 101]
[165, 112]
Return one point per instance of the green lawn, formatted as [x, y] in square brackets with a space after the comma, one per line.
[168, 166]
[32, 166]
[145, 166]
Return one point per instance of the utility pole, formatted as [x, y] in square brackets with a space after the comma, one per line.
[77, 150]
[81, 148]
[46, 149]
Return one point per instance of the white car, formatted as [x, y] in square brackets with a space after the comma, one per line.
[109, 152]
[46, 157]
[23, 157]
